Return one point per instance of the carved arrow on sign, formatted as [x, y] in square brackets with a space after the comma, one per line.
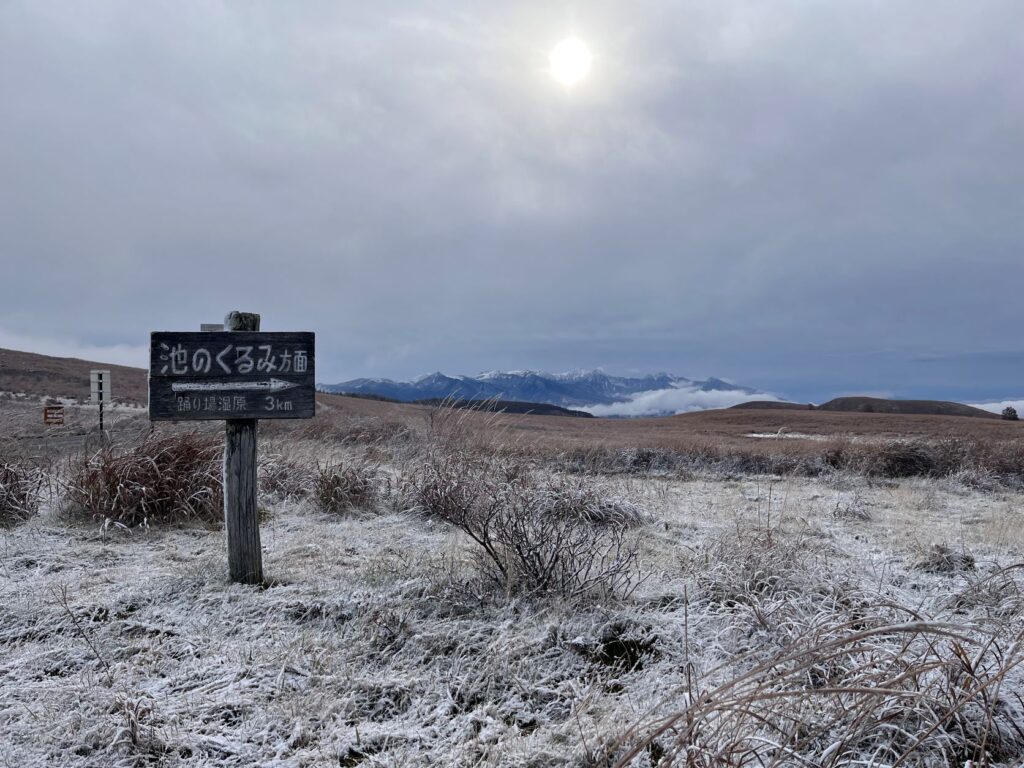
[274, 385]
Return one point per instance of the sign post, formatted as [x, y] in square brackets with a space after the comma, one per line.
[240, 376]
[53, 415]
[99, 391]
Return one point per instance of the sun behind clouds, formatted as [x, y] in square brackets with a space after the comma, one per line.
[570, 61]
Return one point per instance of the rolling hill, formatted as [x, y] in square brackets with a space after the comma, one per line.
[875, 405]
[46, 376]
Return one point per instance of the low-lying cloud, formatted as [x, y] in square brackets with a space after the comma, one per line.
[1017, 405]
[675, 400]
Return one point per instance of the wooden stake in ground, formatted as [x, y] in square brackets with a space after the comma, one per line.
[241, 517]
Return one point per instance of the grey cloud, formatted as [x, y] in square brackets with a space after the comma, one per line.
[765, 192]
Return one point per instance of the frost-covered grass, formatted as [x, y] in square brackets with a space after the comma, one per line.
[21, 489]
[796, 622]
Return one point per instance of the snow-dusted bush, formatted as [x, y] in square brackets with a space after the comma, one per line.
[343, 487]
[158, 480]
[534, 535]
[20, 491]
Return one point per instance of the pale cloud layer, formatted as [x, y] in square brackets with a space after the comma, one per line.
[118, 354]
[802, 196]
[1017, 405]
[659, 402]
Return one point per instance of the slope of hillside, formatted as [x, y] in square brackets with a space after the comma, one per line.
[924, 407]
[874, 405]
[47, 376]
[772, 405]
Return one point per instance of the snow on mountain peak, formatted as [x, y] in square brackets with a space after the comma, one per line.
[576, 388]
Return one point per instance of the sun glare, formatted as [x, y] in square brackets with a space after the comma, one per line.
[570, 61]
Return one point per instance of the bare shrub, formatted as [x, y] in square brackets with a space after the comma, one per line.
[159, 480]
[21, 486]
[344, 487]
[534, 536]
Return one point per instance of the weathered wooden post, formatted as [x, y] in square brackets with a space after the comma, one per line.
[238, 375]
[241, 517]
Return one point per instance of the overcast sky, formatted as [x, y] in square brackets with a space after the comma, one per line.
[809, 197]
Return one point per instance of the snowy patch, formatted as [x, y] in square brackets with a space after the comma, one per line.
[783, 435]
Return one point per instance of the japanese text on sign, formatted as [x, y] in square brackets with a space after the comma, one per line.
[243, 359]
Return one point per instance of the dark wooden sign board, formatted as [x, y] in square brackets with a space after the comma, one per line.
[53, 415]
[231, 375]
[239, 375]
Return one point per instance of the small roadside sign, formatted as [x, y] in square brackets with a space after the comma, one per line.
[53, 415]
[99, 387]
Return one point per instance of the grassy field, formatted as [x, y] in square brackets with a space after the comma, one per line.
[464, 589]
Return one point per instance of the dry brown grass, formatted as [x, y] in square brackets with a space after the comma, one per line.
[914, 693]
[342, 487]
[281, 478]
[982, 451]
[161, 479]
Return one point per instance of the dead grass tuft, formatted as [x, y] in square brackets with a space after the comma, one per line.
[281, 478]
[942, 558]
[912, 693]
[158, 480]
[21, 486]
[344, 487]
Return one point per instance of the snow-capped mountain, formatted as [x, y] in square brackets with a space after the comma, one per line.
[573, 389]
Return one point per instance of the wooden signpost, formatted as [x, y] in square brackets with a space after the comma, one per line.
[53, 415]
[239, 375]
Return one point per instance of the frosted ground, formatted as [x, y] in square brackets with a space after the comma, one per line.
[377, 647]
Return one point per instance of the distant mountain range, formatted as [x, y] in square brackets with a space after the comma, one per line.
[575, 389]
